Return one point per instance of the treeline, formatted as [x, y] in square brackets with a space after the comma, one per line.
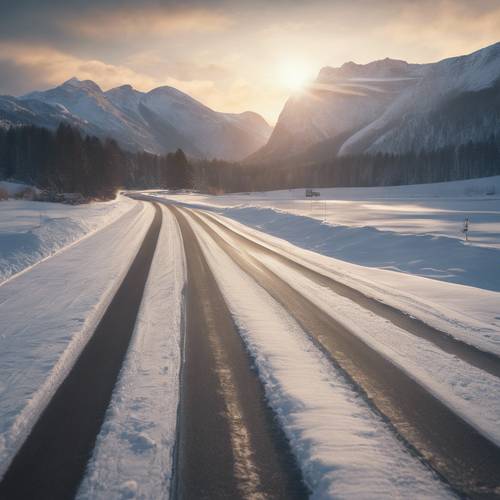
[65, 161]
[474, 159]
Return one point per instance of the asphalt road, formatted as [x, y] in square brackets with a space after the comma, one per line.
[467, 460]
[229, 444]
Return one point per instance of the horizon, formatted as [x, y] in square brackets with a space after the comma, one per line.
[233, 57]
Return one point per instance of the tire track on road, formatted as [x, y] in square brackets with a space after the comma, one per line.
[229, 443]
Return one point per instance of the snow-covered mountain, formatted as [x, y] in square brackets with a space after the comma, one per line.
[30, 111]
[390, 106]
[158, 121]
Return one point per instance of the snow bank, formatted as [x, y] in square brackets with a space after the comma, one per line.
[134, 450]
[47, 315]
[470, 314]
[469, 391]
[344, 450]
[31, 231]
[428, 255]
[14, 188]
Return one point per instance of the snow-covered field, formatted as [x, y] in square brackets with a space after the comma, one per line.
[31, 231]
[412, 229]
[389, 264]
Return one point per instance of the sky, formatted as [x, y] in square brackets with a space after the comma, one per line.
[232, 55]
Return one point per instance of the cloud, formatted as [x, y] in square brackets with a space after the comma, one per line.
[227, 53]
[152, 21]
[24, 67]
[47, 67]
[436, 29]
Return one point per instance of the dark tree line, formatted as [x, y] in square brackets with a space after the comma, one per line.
[466, 161]
[67, 161]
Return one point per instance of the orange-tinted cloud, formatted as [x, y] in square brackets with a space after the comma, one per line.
[151, 21]
[232, 55]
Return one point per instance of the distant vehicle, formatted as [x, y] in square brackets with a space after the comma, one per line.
[311, 194]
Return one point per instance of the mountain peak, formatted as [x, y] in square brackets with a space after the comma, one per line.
[381, 68]
[165, 89]
[123, 90]
[82, 84]
[126, 88]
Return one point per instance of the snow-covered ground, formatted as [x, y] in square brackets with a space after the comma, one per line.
[48, 312]
[31, 231]
[361, 245]
[134, 451]
[467, 313]
[413, 229]
[344, 449]
[13, 189]
[385, 242]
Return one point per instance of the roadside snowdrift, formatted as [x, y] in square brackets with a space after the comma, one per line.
[47, 315]
[31, 231]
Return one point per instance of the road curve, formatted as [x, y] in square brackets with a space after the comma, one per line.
[460, 454]
[52, 460]
[229, 444]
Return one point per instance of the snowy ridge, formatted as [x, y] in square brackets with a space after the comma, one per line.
[134, 450]
[326, 427]
[37, 356]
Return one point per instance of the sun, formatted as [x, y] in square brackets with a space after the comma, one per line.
[294, 75]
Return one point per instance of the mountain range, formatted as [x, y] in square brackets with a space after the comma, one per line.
[390, 106]
[157, 121]
[386, 106]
